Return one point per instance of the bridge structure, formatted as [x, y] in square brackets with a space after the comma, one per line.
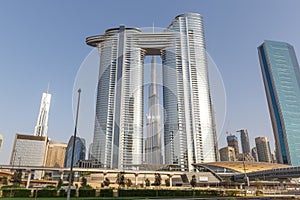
[30, 169]
[271, 174]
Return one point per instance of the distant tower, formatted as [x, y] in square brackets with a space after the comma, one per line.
[232, 141]
[263, 151]
[245, 141]
[42, 122]
[153, 140]
[227, 154]
[254, 154]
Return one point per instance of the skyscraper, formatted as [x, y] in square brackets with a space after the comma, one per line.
[245, 141]
[281, 77]
[41, 127]
[227, 154]
[188, 130]
[232, 141]
[254, 154]
[263, 151]
[153, 140]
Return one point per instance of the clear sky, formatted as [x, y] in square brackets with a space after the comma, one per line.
[44, 42]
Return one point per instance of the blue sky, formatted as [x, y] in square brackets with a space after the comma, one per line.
[44, 41]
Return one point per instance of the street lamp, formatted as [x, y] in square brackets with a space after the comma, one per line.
[73, 148]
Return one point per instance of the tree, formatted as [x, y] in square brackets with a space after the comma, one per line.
[147, 182]
[157, 181]
[17, 177]
[106, 182]
[83, 182]
[128, 182]
[167, 182]
[59, 184]
[120, 179]
[193, 182]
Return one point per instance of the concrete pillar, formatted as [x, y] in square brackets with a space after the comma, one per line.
[28, 178]
[170, 178]
[136, 179]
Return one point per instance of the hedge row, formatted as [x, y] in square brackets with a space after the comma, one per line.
[106, 192]
[20, 192]
[177, 193]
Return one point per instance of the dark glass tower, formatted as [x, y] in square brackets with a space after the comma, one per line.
[232, 141]
[245, 141]
[79, 152]
[281, 77]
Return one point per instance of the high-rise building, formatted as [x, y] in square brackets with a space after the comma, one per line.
[254, 154]
[79, 152]
[280, 70]
[188, 130]
[56, 154]
[263, 151]
[245, 141]
[41, 127]
[227, 154]
[1, 141]
[232, 141]
[29, 150]
[153, 139]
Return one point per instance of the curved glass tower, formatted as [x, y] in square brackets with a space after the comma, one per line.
[281, 77]
[188, 128]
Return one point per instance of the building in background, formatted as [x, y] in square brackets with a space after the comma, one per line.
[280, 70]
[245, 141]
[56, 154]
[79, 152]
[41, 127]
[232, 141]
[29, 150]
[153, 153]
[227, 154]
[1, 141]
[254, 154]
[263, 151]
[188, 127]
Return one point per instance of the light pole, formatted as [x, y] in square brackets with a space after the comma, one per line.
[73, 148]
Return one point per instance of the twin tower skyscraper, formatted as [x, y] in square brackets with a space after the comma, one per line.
[188, 132]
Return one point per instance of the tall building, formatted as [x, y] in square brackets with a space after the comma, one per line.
[245, 141]
[254, 154]
[79, 152]
[227, 154]
[280, 70]
[1, 141]
[153, 140]
[263, 151]
[29, 150]
[188, 130]
[56, 154]
[232, 141]
[41, 127]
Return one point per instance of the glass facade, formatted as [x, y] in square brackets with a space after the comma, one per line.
[79, 152]
[188, 127]
[281, 77]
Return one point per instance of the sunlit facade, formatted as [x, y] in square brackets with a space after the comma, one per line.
[41, 127]
[188, 127]
[281, 77]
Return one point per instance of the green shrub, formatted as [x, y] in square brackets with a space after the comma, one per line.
[45, 193]
[106, 192]
[63, 193]
[259, 193]
[87, 192]
[16, 192]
